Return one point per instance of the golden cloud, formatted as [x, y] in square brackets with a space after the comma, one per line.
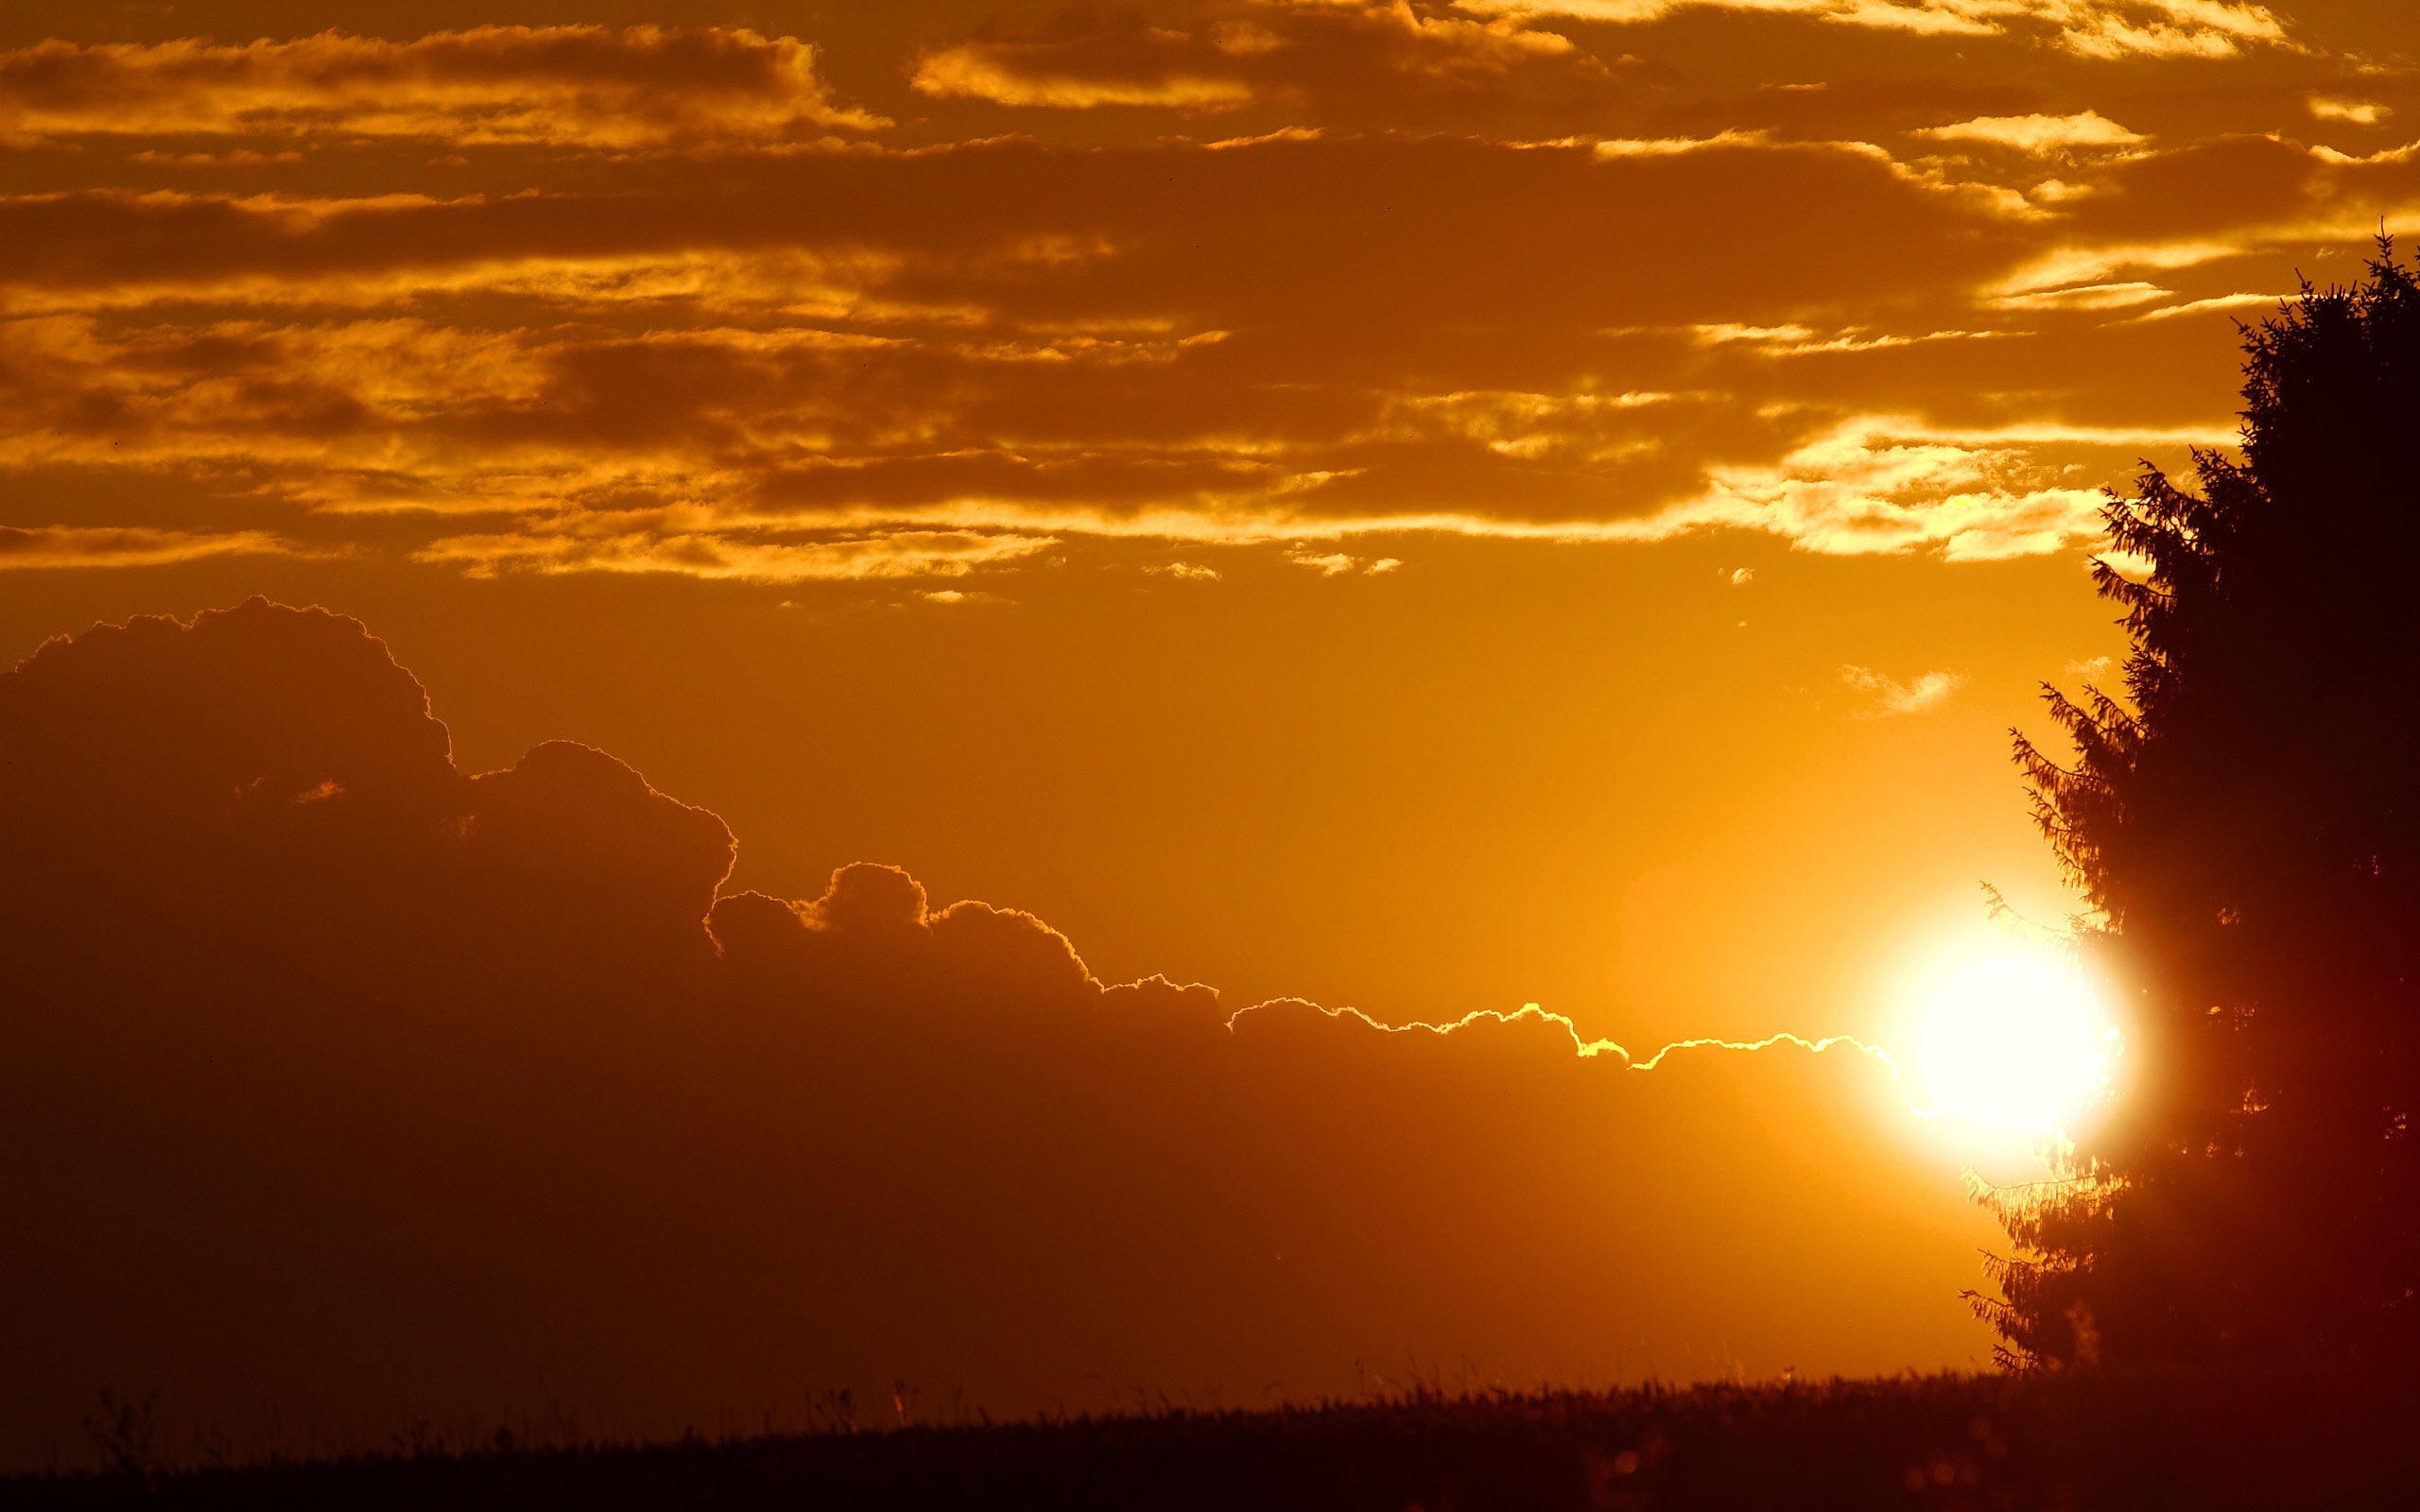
[823, 365]
[2039, 134]
[1241, 52]
[55, 546]
[584, 86]
[1928, 692]
[1880, 485]
[893, 555]
[2358, 113]
[2093, 29]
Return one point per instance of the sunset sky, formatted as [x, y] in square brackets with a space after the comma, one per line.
[1423, 507]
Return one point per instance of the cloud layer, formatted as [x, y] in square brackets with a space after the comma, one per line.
[1228, 274]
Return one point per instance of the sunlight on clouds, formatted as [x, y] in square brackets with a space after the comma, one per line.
[1079, 57]
[1799, 340]
[1874, 485]
[1338, 563]
[53, 546]
[1525, 425]
[2162, 29]
[2071, 270]
[2085, 296]
[1672, 146]
[589, 382]
[2218, 301]
[1953, 18]
[2039, 134]
[1890, 696]
[901, 554]
[2358, 112]
[640, 86]
[2094, 28]
[974, 73]
[798, 283]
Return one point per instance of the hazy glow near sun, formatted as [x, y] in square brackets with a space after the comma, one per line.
[2016, 1043]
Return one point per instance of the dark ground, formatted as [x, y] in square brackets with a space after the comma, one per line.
[1938, 1442]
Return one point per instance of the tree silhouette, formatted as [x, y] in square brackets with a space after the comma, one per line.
[2243, 824]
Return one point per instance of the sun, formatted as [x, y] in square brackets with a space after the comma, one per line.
[2018, 1042]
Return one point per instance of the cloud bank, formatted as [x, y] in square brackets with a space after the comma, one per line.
[346, 1081]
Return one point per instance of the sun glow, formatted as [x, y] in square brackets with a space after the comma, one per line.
[2018, 1042]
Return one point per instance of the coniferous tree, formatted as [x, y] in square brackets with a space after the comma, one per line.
[2245, 824]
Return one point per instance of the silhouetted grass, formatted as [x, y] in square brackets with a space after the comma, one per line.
[2080, 1441]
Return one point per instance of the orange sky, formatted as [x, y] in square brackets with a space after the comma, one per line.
[1427, 508]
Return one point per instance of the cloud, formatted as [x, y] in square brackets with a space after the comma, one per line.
[762, 376]
[583, 86]
[1318, 61]
[2087, 297]
[1001, 341]
[2039, 134]
[58, 547]
[1876, 484]
[890, 555]
[2091, 28]
[1083, 56]
[1340, 564]
[2218, 301]
[454, 1094]
[1890, 696]
[1795, 340]
[2356, 112]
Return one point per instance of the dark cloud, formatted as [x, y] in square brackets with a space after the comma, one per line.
[342, 1081]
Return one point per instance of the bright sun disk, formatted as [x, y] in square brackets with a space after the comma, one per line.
[2016, 1043]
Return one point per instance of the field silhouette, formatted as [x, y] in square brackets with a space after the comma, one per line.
[2004, 1441]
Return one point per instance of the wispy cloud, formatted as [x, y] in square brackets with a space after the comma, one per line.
[1186, 572]
[60, 546]
[1339, 563]
[2093, 29]
[599, 86]
[1928, 692]
[1230, 56]
[894, 555]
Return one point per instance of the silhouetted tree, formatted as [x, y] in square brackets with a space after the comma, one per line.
[2245, 823]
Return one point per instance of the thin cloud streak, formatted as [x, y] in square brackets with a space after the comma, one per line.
[2090, 28]
[1928, 692]
[76, 547]
[586, 86]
